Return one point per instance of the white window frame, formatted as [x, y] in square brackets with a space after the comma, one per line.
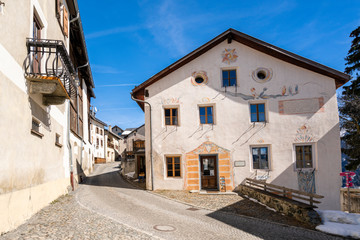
[252, 169]
[313, 151]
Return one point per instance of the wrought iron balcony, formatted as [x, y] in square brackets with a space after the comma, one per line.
[50, 70]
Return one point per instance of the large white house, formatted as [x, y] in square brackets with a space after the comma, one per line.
[238, 107]
[46, 86]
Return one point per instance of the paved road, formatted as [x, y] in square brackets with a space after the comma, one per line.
[107, 194]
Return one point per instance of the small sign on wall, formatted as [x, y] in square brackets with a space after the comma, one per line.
[239, 164]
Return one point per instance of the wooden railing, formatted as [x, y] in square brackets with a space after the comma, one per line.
[354, 200]
[308, 198]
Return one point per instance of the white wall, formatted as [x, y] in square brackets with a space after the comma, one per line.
[233, 129]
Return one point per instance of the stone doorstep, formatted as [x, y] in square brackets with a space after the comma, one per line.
[214, 192]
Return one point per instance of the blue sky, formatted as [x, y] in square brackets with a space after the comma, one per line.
[129, 41]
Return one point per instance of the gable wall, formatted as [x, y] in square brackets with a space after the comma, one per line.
[233, 129]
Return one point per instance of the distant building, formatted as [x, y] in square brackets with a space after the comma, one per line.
[98, 139]
[117, 130]
[238, 108]
[112, 146]
[134, 161]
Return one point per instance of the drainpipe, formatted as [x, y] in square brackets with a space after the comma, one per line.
[151, 157]
[70, 150]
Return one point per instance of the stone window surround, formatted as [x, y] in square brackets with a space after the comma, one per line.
[213, 105]
[314, 155]
[165, 166]
[236, 68]
[252, 170]
[266, 103]
[177, 106]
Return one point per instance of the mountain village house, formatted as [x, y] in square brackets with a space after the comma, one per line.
[97, 131]
[48, 85]
[237, 108]
[134, 161]
[112, 146]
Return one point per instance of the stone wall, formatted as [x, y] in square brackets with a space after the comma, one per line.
[302, 212]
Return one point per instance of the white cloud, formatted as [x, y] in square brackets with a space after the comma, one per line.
[112, 31]
[105, 69]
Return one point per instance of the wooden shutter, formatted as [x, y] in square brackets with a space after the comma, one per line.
[58, 10]
[66, 22]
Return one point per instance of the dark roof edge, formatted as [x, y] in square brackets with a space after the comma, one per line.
[257, 44]
[115, 135]
[85, 48]
[98, 120]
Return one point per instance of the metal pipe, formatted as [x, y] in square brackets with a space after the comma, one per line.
[151, 157]
[75, 18]
[69, 147]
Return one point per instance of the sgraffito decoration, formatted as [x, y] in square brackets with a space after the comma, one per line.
[199, 74]
[306, 180]
[205, 100]
[304, 134]
[192, 177]
[229, 56]
[254, 94]
[301, 106]
[262, 75]
[209, 147]
[174, 100]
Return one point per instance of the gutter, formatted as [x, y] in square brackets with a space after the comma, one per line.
[151, 151]
[70, 149]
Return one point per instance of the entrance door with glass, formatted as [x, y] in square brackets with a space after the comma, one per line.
[208, 172]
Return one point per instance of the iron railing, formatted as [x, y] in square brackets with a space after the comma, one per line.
[49, 58]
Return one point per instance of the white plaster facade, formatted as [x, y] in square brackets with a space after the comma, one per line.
[97, 133]
[35, 169]
[233, 132]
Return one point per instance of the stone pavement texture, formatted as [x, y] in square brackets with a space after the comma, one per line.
[66, 219]
[107, 207]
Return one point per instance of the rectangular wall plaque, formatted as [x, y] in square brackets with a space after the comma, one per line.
[301, 106]
[239, 164]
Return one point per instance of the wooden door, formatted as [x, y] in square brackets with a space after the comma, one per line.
[208, 172]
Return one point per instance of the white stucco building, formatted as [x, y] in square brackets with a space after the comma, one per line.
[98, 139]
[46, 87]
[238, 108]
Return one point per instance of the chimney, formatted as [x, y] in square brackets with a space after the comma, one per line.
[110, 130]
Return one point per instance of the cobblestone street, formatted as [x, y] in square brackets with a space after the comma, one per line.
[66, 219]
[108, 207]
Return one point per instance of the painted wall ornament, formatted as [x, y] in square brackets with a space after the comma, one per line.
[304, 134]
[306, 180]
[199, 78]
[209, 147]
[229, 56]
[205, 100]
[262, 75]
[262, 95]
[173, 100]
